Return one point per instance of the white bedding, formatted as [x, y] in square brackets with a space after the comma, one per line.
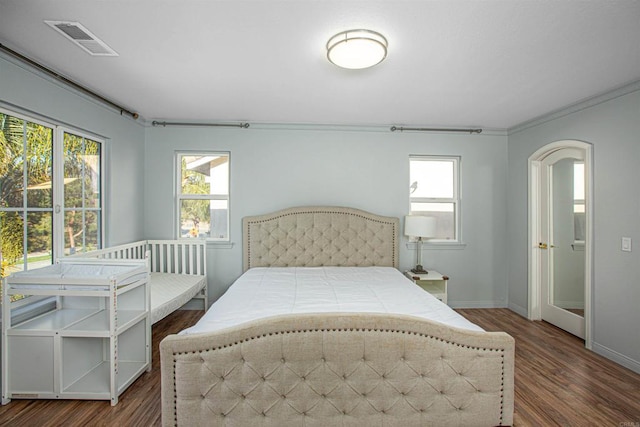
[270, 291]
[170, 291]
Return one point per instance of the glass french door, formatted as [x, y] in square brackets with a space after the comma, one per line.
[50, 192]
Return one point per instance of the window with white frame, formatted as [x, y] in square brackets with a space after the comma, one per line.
[434, 191]
[203, 195]
[50, 192]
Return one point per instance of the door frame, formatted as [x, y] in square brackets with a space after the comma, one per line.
[534, 216]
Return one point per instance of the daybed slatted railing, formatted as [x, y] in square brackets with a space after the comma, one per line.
[166, 258]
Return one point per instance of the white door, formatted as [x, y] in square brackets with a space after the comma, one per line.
[562, 239]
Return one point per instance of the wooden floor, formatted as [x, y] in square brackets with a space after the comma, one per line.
[557, 382]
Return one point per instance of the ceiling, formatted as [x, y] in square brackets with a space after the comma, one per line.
[487, 63]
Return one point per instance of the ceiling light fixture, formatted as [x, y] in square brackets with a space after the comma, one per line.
[357, 49]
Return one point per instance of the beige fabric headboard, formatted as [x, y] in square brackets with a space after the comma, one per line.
[320, 236]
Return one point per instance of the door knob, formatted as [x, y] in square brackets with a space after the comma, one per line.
[545, 246]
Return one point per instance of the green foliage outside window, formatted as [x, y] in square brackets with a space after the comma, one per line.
[27, 198]
[193, 182]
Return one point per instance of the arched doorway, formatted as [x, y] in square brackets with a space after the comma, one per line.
[560, 236]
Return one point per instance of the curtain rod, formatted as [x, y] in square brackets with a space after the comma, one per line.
[401, 129]
[235, 125]
[67, 81]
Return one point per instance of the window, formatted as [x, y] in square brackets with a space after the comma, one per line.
[203, 195]
[50, 193]
[434, 191]
[82, 193]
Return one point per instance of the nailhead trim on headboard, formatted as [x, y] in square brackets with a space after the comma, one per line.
[207, 356]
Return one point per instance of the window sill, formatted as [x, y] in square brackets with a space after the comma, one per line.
[412, 246]
[213, 244]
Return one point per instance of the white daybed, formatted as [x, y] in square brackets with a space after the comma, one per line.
[178, 270]
[330, 361]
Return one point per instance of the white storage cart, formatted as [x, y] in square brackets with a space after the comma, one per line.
[92, 345]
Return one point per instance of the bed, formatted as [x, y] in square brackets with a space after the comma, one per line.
[331, 360]
[178, 270]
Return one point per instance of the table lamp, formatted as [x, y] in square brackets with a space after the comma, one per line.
[421, 227]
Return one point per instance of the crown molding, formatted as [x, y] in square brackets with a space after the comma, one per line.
[578, 106]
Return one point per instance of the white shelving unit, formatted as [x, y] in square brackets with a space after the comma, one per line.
[93, 345]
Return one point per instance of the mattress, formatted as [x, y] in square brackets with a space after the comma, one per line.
[269, 291]
[170, 291]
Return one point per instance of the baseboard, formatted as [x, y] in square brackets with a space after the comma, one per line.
[477, 304]
[519, 310]
[619, 358]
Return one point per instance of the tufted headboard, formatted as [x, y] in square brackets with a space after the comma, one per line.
[320, 236]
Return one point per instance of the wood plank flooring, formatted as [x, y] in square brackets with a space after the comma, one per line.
[557, 381]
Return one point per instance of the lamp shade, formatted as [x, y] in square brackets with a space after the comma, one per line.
[419, 226]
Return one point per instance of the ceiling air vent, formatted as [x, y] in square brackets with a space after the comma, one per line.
[82, 37]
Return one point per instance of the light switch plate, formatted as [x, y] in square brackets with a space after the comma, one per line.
[626, 244]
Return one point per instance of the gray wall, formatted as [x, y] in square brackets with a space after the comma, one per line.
[274, 167]
[613, 127]
[31, 91]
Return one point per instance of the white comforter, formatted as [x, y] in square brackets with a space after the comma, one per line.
[264, 292]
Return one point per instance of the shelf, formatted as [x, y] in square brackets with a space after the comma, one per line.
[55, 320]
[97, 381]
[77, 322]
[69, 352]
[99, 322]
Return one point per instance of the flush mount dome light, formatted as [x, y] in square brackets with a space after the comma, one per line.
[357, 49]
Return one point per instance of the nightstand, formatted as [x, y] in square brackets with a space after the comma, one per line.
[433, 282]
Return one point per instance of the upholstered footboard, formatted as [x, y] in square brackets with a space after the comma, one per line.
[338, 369]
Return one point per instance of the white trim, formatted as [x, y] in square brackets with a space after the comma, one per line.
[23, 116]
[574, 108]
[477, 304]
[518, 309]
[455, 200]
[179, 196]
[534, 173]
[57, 214]
[534, 311]
[436, 246]
[59, 186]
[218, 244]
[57, 192]
[619, 358]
